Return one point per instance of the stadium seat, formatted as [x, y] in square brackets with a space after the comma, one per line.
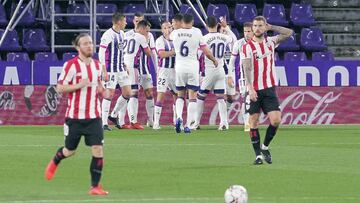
[17, 57]
[28, 19]
[133, 8]
[322, 56]
[35, 40]
[156, 19]
[46, 56]
[69, 55]
[219, 10]
[289, 44]
[3, 18]
[78, 8]
[184, 8]
[204, 31]
[302, 15]
[312, 39]
[105, 21]
[11, 41]
[245, 13]
[295, 56]
[275, 14]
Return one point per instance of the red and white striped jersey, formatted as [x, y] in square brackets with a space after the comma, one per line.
[83, 103]
[262, 58]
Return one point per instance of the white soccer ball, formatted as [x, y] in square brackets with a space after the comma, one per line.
[236, 194]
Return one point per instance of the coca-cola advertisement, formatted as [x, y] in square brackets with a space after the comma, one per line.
[42, 105]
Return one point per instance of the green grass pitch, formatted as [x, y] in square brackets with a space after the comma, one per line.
[316, 164]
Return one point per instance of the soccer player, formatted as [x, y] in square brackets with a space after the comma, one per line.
[80, 78]
[135, 43]
[176, 21]
[214, 75]
[111, 55]
[257, 59]
[166, 72]
[248, 35]
[187, 41]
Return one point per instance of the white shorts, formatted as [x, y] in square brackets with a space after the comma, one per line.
[187, 81]
[214, 80]
[230, 90]
[119, 78]
[166, 79]
[134, 78]
[146, 81]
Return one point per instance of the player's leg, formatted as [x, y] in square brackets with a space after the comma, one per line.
[161, 88]
[201, 96]
[133, 108]
[72, 139]
[192, 92]
[126, 93]
[94, 138]
[254, 112]
[272, 109]
[147, 84]
[219, 90]
[106, 101]
[180, 83]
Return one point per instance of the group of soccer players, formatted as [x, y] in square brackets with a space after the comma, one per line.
[177, 55]
[182, 57]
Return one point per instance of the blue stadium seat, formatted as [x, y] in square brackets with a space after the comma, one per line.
[155, 19]
[236, 32]
[69, 55]
[133, 8]
[78, 8]
[277, 57]
[105, 21]
[295, 56]
[302, 15]
[3, 18]
[204, 31]
[46, 56]
[96, 56]
[11, 41]
[184, 8]
[218, 10]
[17, 57]
[275, 14]
[312, 39]
[289, 44]
[28, 18]
[322, 56]
[34, 40]
[245, 13]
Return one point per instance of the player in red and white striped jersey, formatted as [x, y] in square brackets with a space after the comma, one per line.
[259, 66]
[80, 78]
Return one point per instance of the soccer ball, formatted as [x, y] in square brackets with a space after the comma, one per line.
[236, 194]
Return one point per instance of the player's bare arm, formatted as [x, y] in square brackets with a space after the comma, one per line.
[248, 68]
[209, 55]
[166, 54]
[72, 88]
[284, 33]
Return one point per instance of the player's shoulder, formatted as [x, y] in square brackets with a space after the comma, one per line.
[129, 32]
[196, 30]
[160, 39]
[108, 33]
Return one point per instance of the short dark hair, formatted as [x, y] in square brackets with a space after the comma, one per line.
[117, 16]
[142, 24]
[211, 21]
[163, 22]
[138, 14]
[75, 42]
[188, 18]
[260, 18]
[247, 24]
[178, 17]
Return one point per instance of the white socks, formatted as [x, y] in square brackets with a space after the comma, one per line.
[179, 107]
[222, 111]
[200, 109]
[191, 112]
[120, 102]
[133, 107]
[150, 109]
[157, 114]
[105, 108]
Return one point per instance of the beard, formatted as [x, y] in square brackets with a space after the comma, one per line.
[261, 35]
[87, 54]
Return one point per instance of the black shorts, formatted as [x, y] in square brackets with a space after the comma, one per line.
[267, 101]
[90, 128]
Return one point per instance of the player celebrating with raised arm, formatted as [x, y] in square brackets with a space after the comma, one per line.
[187, 41]
[257, 59]
[166, 72]
[214, 75]
[80, 78]
[111, 55]
[248, 35]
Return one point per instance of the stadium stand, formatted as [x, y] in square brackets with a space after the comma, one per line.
[295, 56]
[46, 56]
[322, 56]
[17, 57]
